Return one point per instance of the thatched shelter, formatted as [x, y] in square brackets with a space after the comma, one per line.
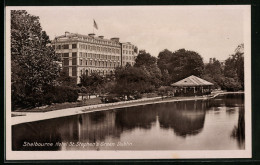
[192, 86]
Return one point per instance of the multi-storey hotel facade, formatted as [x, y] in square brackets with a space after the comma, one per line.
[87, 54]
[128, 53]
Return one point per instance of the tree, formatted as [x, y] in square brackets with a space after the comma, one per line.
[213, 73]
[33, 60]
[163, 59]
[131, 81]
[65, 80]
[234, 65]
[148, 63]
[92, 83]
[144, 59]
[184, 63]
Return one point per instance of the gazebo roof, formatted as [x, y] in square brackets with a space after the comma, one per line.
[192, 81]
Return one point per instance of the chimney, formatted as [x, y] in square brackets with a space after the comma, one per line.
[67, 33]
[91, 34]
[116, 39]
[102, 37]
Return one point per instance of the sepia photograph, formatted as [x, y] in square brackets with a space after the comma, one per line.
[128, 82]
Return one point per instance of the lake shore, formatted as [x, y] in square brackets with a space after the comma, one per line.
[24, 117]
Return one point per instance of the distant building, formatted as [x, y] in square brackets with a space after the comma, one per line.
[87, 54]
[129, 53]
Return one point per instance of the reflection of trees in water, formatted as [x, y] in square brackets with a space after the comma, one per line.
[185, 118]
[228, 100]
[133, 117]
[239, 130]
[35, 132]
[85, 128]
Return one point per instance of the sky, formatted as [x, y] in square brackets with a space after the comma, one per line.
[211, 31]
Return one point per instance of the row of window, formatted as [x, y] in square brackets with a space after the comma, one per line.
[65, 62]
[128, 52]
[99, 41]
[100, 72]
[98, 56]
[66, 46]
[128, 58]
[128, 47]
[90, 55]
[90, 47]
[99, 48]
[131, 63]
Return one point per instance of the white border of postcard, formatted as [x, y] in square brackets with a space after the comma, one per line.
[176, 154]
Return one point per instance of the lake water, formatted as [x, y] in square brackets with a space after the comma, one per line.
[215, 124]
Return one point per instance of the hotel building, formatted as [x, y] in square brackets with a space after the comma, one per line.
[87, 54]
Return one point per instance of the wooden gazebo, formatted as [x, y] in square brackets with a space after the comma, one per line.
[192, 86]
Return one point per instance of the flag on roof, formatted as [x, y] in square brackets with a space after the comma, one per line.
[95, 25]
[192, 81]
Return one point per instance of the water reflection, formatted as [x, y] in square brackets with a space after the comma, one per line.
[175, 121]
[183, 118]
[239, 130]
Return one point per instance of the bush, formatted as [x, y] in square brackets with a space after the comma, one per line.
[59, 94]
[230, 84]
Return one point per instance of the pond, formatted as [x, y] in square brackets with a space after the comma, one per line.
[214, 124]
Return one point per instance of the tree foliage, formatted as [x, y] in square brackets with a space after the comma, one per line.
[180, 64]
[33, 60]
[131, 81]
[148, 64]
[229, 76]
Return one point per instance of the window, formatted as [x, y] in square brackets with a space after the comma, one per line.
[65, 54]
[74, 71]
[74, 61]
[65, 61]
[66, 46]
[74, 54]
[58, 46]
[74, 46]
[80, 62]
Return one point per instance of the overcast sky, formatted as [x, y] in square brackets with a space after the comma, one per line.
[212, 31]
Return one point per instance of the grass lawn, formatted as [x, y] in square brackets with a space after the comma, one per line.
[92, 101]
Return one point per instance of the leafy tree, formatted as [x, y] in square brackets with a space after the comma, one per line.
[234, 66]
[131, 81]
[184, 63]
[213, 73]
[144, 59]
[165, 91]
[148, 63]
[163, 59]
[166, 79]
[65, 80]
[92, 83]
[33, 60]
